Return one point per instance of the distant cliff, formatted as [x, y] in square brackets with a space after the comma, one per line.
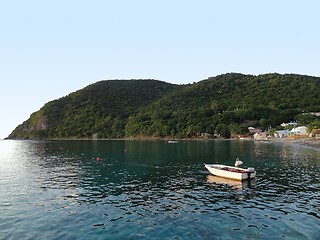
[151, 108]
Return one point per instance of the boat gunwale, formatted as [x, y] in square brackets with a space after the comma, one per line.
[241, 174]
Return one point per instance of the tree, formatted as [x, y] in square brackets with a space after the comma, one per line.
[166, 131]
[223, 130]
[214, 105]
[265, 123]
[304, 119]
[313, 125]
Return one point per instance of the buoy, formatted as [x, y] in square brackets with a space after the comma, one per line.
[98, 158]
[125, 150]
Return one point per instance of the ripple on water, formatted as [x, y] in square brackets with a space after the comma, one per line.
[70, 195]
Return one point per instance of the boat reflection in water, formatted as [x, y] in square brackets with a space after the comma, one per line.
[235, 184]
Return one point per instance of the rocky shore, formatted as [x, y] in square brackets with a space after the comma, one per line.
[311, 142]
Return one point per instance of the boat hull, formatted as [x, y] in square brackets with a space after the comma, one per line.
[230, 172]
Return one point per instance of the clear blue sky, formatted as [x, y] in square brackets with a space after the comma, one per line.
[51, 48]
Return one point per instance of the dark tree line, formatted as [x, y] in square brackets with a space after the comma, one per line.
[226, 104]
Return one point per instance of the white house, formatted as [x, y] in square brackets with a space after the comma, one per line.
[287, 124]
[281, 134]
[261, 136]
[299, 132]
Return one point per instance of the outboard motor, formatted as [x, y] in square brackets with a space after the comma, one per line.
[249, 171]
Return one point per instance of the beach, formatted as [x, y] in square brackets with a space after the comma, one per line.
[311, 142]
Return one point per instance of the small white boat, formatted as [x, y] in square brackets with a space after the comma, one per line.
[172, 141]
[231, 172]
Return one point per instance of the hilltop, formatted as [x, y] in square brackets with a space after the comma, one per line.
[150, 108]
[98, 110]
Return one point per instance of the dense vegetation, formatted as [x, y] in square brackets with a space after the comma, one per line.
[227, 104]
[100, 110]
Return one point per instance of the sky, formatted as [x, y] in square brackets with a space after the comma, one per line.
[49, 49]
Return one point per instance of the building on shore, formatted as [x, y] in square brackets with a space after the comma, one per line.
[281, 133]
[288, 124]
[254, 130]
[262, 136]
[298, 132]
[315, 133]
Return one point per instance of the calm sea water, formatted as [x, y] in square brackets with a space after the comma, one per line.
[156, 190]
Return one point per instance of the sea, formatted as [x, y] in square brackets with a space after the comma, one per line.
[129, 189]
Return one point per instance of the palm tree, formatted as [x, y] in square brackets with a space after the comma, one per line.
[313, 125]
[310, 127]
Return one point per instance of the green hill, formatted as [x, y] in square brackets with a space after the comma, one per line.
[229, 100]
[149, 108]
[99, 110]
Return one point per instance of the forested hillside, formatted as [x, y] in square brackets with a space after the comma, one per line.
[100, 110]
[228, 103]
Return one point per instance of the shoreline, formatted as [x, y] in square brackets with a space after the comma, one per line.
[309, 142]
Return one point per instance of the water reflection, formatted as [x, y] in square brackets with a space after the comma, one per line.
[235, 184]
[156, 189]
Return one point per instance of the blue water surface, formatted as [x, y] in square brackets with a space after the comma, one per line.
[156, 190]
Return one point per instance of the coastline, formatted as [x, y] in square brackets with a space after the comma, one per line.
[309, 142]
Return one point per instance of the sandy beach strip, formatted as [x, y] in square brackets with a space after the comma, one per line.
[311, 142]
